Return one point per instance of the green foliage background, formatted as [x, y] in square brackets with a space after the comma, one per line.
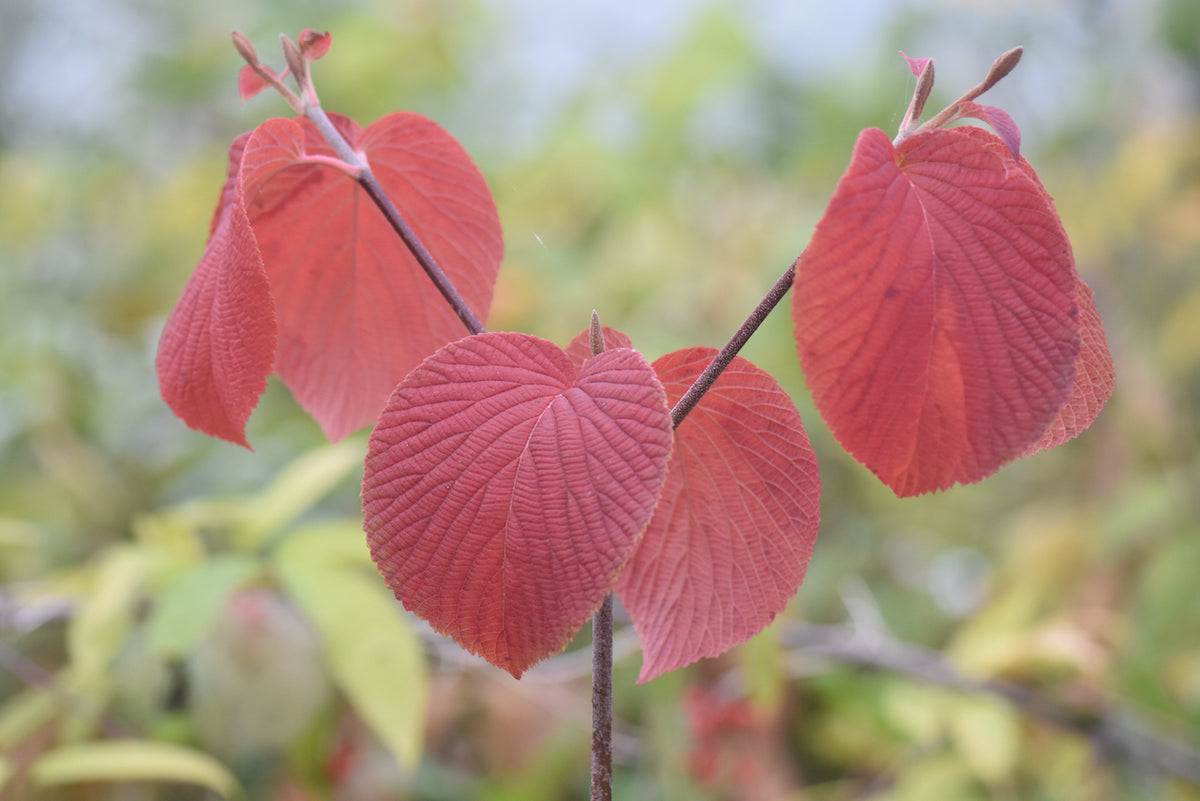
[179, 609]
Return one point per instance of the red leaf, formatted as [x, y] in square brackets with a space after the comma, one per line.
[1094, 378]
[917, 65]
[314, 45]
[935, 309]
[250, 82]
[998, 118]
[504, 488]
[356, 312]
[218, 346]
[735, 525]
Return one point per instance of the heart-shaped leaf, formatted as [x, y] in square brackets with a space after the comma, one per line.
[504, 488]
[936, 308]
[356, 312]
[733, 533]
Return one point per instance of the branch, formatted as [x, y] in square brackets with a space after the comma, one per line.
[705, 380]
[1114, 733]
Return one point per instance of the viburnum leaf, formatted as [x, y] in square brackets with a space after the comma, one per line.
[936, 308]
[350, 308]
[1094, 378]
[733, 533]
[218, 345]
[505, 487]
[356, 312]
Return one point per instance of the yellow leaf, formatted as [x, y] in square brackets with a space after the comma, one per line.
[986, 732]
[374, 654]
[297, 488]
[133, 760]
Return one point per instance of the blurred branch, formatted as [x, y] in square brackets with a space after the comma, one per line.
[1112, 732]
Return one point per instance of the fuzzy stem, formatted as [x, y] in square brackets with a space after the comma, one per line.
[602, 700]
[366, 179]
[717, 366]
[602, 658]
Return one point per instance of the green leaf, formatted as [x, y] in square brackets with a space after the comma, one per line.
[297, 489]
[374, 654]
[133, 760]
[6, 772]
[189, 605]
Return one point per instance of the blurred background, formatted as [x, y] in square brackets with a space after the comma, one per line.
[179, 615]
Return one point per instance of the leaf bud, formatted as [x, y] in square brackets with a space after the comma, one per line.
[244, 48]
[294, 58]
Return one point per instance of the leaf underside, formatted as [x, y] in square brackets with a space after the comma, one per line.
[1094, 378]
[733, 533]
[218, 346]
[504, 488]
[936, 309]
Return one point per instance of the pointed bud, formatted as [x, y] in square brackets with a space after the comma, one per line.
[1000, 68]
[294, 59]
[596, 335]
[244, 48]
[923, 69]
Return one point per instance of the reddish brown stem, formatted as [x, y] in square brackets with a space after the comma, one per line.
[705, 380]
[602, 700]
[602, 658]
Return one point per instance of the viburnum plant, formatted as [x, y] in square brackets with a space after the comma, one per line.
[512, 485]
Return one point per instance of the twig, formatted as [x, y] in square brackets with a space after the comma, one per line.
[602, 701]
[1112, 732]
[602, 658]
[706, 379]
